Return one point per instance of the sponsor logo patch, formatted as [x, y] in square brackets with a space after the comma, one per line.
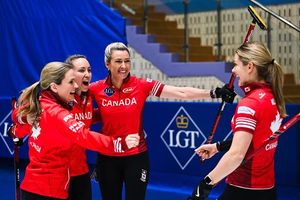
[246, 110]
[109, 91]
[127, 90]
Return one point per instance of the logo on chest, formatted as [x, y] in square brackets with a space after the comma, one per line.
[127, 90]
[109, 91]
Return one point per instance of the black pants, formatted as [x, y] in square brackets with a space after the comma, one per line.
[31, 196]
[236, 193]
[133, 171]
[80, 187]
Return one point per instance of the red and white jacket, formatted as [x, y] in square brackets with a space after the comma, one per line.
[121, 110]
[82, 111]
[257, 114]
[50, 147]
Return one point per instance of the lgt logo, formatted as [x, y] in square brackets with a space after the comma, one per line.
[7, 140]
[182, 136]
[4, 134]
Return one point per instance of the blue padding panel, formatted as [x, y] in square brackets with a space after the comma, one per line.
[34, 32]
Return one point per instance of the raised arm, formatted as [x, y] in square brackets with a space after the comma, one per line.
[190, 93]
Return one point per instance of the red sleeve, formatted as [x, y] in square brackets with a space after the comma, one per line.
[82, 136]
[22, 128]
[152, 87]
[245, 116]
[96, 116]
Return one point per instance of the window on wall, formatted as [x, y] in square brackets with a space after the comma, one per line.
[284, 49]
[279, 37]
[279, 49]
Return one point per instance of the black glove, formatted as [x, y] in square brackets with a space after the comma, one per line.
[225, 93]
[202, 191]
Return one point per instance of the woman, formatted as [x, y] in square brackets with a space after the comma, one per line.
[46, 105]
[80, 182]
[258, 115]
[120, 98]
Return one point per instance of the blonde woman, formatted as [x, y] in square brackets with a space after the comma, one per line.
[258, 115]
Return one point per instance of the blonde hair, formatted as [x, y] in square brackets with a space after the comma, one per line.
[53, 72]
[73, 57]
[267, 69]
[112, 47]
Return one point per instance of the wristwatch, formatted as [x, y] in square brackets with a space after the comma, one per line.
[208, 181]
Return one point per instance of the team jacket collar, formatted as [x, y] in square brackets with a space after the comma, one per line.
[48, 94]
[253, 86]
[108, 80]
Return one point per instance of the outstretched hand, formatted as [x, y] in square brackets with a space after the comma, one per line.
[207, 151]
[132, 140]
[227, 94]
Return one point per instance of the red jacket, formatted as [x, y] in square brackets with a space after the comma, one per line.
[257, 114]
[50, 147]
[83, 111]
[121, 110]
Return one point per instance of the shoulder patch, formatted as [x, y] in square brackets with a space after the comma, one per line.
[149, 80]
[245, 110]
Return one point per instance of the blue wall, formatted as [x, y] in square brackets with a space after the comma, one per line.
[34, 32]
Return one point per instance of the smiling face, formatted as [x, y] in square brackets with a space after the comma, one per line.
[82, 72]
[66, 89]
[244, 73]
[119, 65]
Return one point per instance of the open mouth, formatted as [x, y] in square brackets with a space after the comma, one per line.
[85, 83]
